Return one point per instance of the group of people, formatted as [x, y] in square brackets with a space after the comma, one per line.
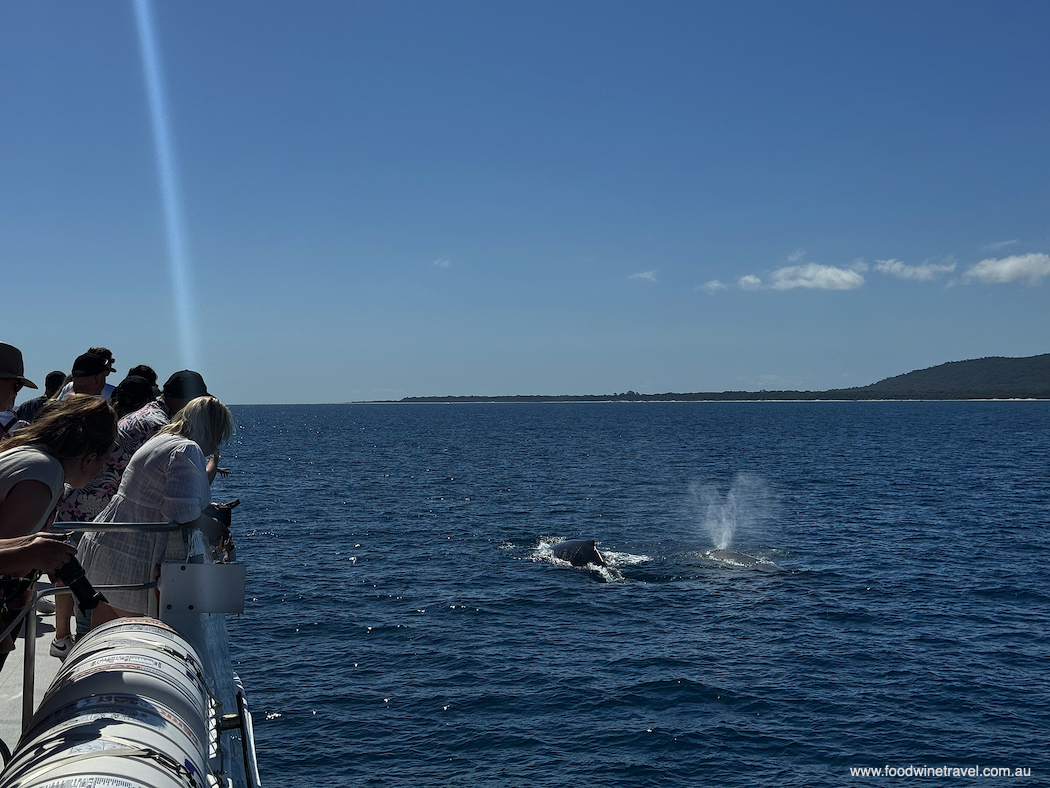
[89, 451]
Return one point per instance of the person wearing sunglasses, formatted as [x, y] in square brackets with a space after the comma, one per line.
[12, 380]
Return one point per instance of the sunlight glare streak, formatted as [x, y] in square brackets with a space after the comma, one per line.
[166, 171]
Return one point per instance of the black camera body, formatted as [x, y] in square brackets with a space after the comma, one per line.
[72, 574]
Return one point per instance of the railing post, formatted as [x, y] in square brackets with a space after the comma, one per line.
[29, 663]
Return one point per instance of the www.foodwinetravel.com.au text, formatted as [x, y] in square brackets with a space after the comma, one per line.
[940, 771]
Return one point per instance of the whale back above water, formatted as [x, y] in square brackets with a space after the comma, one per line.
[578, 552]
[742, 560]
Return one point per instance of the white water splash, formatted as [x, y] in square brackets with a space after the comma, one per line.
[746, 506]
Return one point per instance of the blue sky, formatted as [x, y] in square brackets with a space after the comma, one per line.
[380, 200]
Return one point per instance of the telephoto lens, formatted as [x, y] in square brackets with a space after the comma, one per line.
[72, 574]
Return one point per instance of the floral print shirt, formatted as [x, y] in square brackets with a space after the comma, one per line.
[133, 430]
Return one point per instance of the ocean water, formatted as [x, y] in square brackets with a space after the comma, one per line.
[883, 602]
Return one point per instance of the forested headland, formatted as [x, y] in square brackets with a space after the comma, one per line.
[994, 377]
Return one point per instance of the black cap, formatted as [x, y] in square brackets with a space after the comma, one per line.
[138, 389]
[186, 384]
[88, 364]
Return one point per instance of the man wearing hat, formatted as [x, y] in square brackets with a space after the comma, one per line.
[12, 380]
[89, 377]
[88, 370]
[136, 428]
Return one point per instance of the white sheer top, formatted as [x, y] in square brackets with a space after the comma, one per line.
[166, 481]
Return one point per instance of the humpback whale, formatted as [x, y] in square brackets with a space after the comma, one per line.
[578, 552]
[742, 560]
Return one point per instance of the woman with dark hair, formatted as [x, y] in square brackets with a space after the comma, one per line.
[67, 444]
[131, 394]
[146, 372]
[166, 481]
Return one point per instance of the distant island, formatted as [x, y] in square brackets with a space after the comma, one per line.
[994, 377]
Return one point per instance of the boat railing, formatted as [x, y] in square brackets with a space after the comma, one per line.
[67, 528]
[213, 587]
[29, 638]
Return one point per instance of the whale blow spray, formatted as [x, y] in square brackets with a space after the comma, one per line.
[745, 506]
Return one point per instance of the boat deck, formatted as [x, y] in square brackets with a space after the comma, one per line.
[11, 679]
[232, 757]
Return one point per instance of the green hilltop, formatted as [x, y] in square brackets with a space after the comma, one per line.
[994, 377]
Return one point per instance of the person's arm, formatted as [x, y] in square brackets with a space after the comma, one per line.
[43, 551]
[26, 504]
[187, 480]
[213, 468]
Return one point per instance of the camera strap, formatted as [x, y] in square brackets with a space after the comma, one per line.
[5, 427]
[13, 588]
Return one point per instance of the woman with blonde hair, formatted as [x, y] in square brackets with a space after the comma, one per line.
[165, 481]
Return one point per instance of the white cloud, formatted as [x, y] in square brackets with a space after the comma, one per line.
[797, 255]
[919, 273]
[749, 282]
[1000, 245]
[712, 286]
[648, 276]
[442, 262]
[818, 277]
[1026, 267]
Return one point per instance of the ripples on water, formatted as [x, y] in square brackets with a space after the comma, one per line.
[407, 626]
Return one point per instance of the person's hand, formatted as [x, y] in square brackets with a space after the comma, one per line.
[221, 512]
[223, 472]
[44, 551]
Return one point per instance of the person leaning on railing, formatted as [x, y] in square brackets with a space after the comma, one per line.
[67, 444]
[166, 481]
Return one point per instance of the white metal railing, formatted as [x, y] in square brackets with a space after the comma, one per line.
[68, 527]
[29, 638]
[192, 590]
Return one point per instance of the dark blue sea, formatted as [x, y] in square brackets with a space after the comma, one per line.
[884, 601]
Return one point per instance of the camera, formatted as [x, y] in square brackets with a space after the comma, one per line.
[223, 512]
[72, 574]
